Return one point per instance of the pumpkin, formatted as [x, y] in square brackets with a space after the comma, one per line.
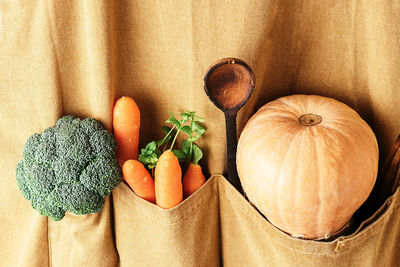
[307, 162]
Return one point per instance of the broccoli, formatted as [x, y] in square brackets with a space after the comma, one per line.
[71, 166]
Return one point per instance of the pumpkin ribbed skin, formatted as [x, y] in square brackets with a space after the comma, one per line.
[307, 180]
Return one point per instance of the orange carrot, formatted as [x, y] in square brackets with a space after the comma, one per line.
[126, 123]
[139, 179]
[193, 179]
[168, 184]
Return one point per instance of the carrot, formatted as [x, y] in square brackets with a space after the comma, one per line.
[126, 123]
[168, 184]
[193, 179]
[139, 180]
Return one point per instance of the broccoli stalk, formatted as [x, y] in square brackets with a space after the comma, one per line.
[71, 166]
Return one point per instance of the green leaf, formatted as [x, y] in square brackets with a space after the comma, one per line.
[144, 159]
[173, 120]
[150, 161]
[197, 154]
[150, 154]
[191, 115]
[187, 130]
[143, 151]
[197, 118]
[185, 147]
[166, 129]
[152, 146]
[198, 128]
[187, 115]
[180, 154]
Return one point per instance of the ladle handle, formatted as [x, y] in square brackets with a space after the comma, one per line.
[231, 145]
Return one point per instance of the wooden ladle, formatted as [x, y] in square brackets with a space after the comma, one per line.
[229, 82]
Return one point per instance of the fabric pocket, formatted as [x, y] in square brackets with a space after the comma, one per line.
[248, 239]
[186, 235]
[83, 240]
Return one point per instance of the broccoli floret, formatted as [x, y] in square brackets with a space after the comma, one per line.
[77, 198]
[90, 125]
[30, 148]
[71, 166]
[47, 207]
[21, 181]
[100, 178]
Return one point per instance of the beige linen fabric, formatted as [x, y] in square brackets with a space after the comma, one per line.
[77, 56]
[247, 239]
[187, 235]
[82, 240]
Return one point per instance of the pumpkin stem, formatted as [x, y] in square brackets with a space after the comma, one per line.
[309, 119]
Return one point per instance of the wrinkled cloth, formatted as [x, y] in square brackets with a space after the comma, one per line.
[77, 57]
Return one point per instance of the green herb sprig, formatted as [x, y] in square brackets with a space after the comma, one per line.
[190, 124]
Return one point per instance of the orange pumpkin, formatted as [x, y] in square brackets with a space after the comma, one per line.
[307, 162]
